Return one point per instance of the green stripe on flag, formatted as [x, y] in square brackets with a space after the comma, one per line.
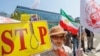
[62, 12]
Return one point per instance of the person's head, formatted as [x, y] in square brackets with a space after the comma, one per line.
[57, 35]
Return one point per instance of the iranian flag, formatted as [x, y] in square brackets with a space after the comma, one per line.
[67, 23]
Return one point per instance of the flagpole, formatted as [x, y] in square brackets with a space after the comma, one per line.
[80, 32]
[80, 36]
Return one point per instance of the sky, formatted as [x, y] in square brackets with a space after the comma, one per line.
[71, 7]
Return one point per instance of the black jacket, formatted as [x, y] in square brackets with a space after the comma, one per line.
[89, 33]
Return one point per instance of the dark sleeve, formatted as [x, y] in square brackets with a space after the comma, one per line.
[87, 32]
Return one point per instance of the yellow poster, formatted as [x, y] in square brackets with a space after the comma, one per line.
[24, 38]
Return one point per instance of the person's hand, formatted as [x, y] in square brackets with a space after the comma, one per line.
[79, 52]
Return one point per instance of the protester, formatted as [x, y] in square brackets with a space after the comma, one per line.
[90, 36]
[82, 34]
[68, 40]
[75, 42]
[78, 42]
[57, 35]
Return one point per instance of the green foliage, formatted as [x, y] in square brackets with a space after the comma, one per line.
[17, 15]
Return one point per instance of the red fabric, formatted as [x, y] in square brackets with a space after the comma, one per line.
[61, 52]
[68, 28]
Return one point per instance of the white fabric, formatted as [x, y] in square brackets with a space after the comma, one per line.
[7, 20]
[90, 15]
[66, 48]
[51, 53]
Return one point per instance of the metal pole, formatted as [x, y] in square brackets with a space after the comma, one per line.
[80, 32]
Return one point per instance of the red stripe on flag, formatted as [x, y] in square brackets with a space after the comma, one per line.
[68, 27]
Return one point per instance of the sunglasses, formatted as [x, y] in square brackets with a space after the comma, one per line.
[57, 37]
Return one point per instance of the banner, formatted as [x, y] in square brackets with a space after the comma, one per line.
[7, 20]
[24, 38]
[90, 15]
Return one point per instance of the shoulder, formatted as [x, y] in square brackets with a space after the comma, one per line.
[47, 53]
[67, 49]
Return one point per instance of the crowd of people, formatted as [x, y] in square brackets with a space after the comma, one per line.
[64, 43]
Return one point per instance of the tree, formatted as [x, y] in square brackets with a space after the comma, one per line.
[17, 15]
